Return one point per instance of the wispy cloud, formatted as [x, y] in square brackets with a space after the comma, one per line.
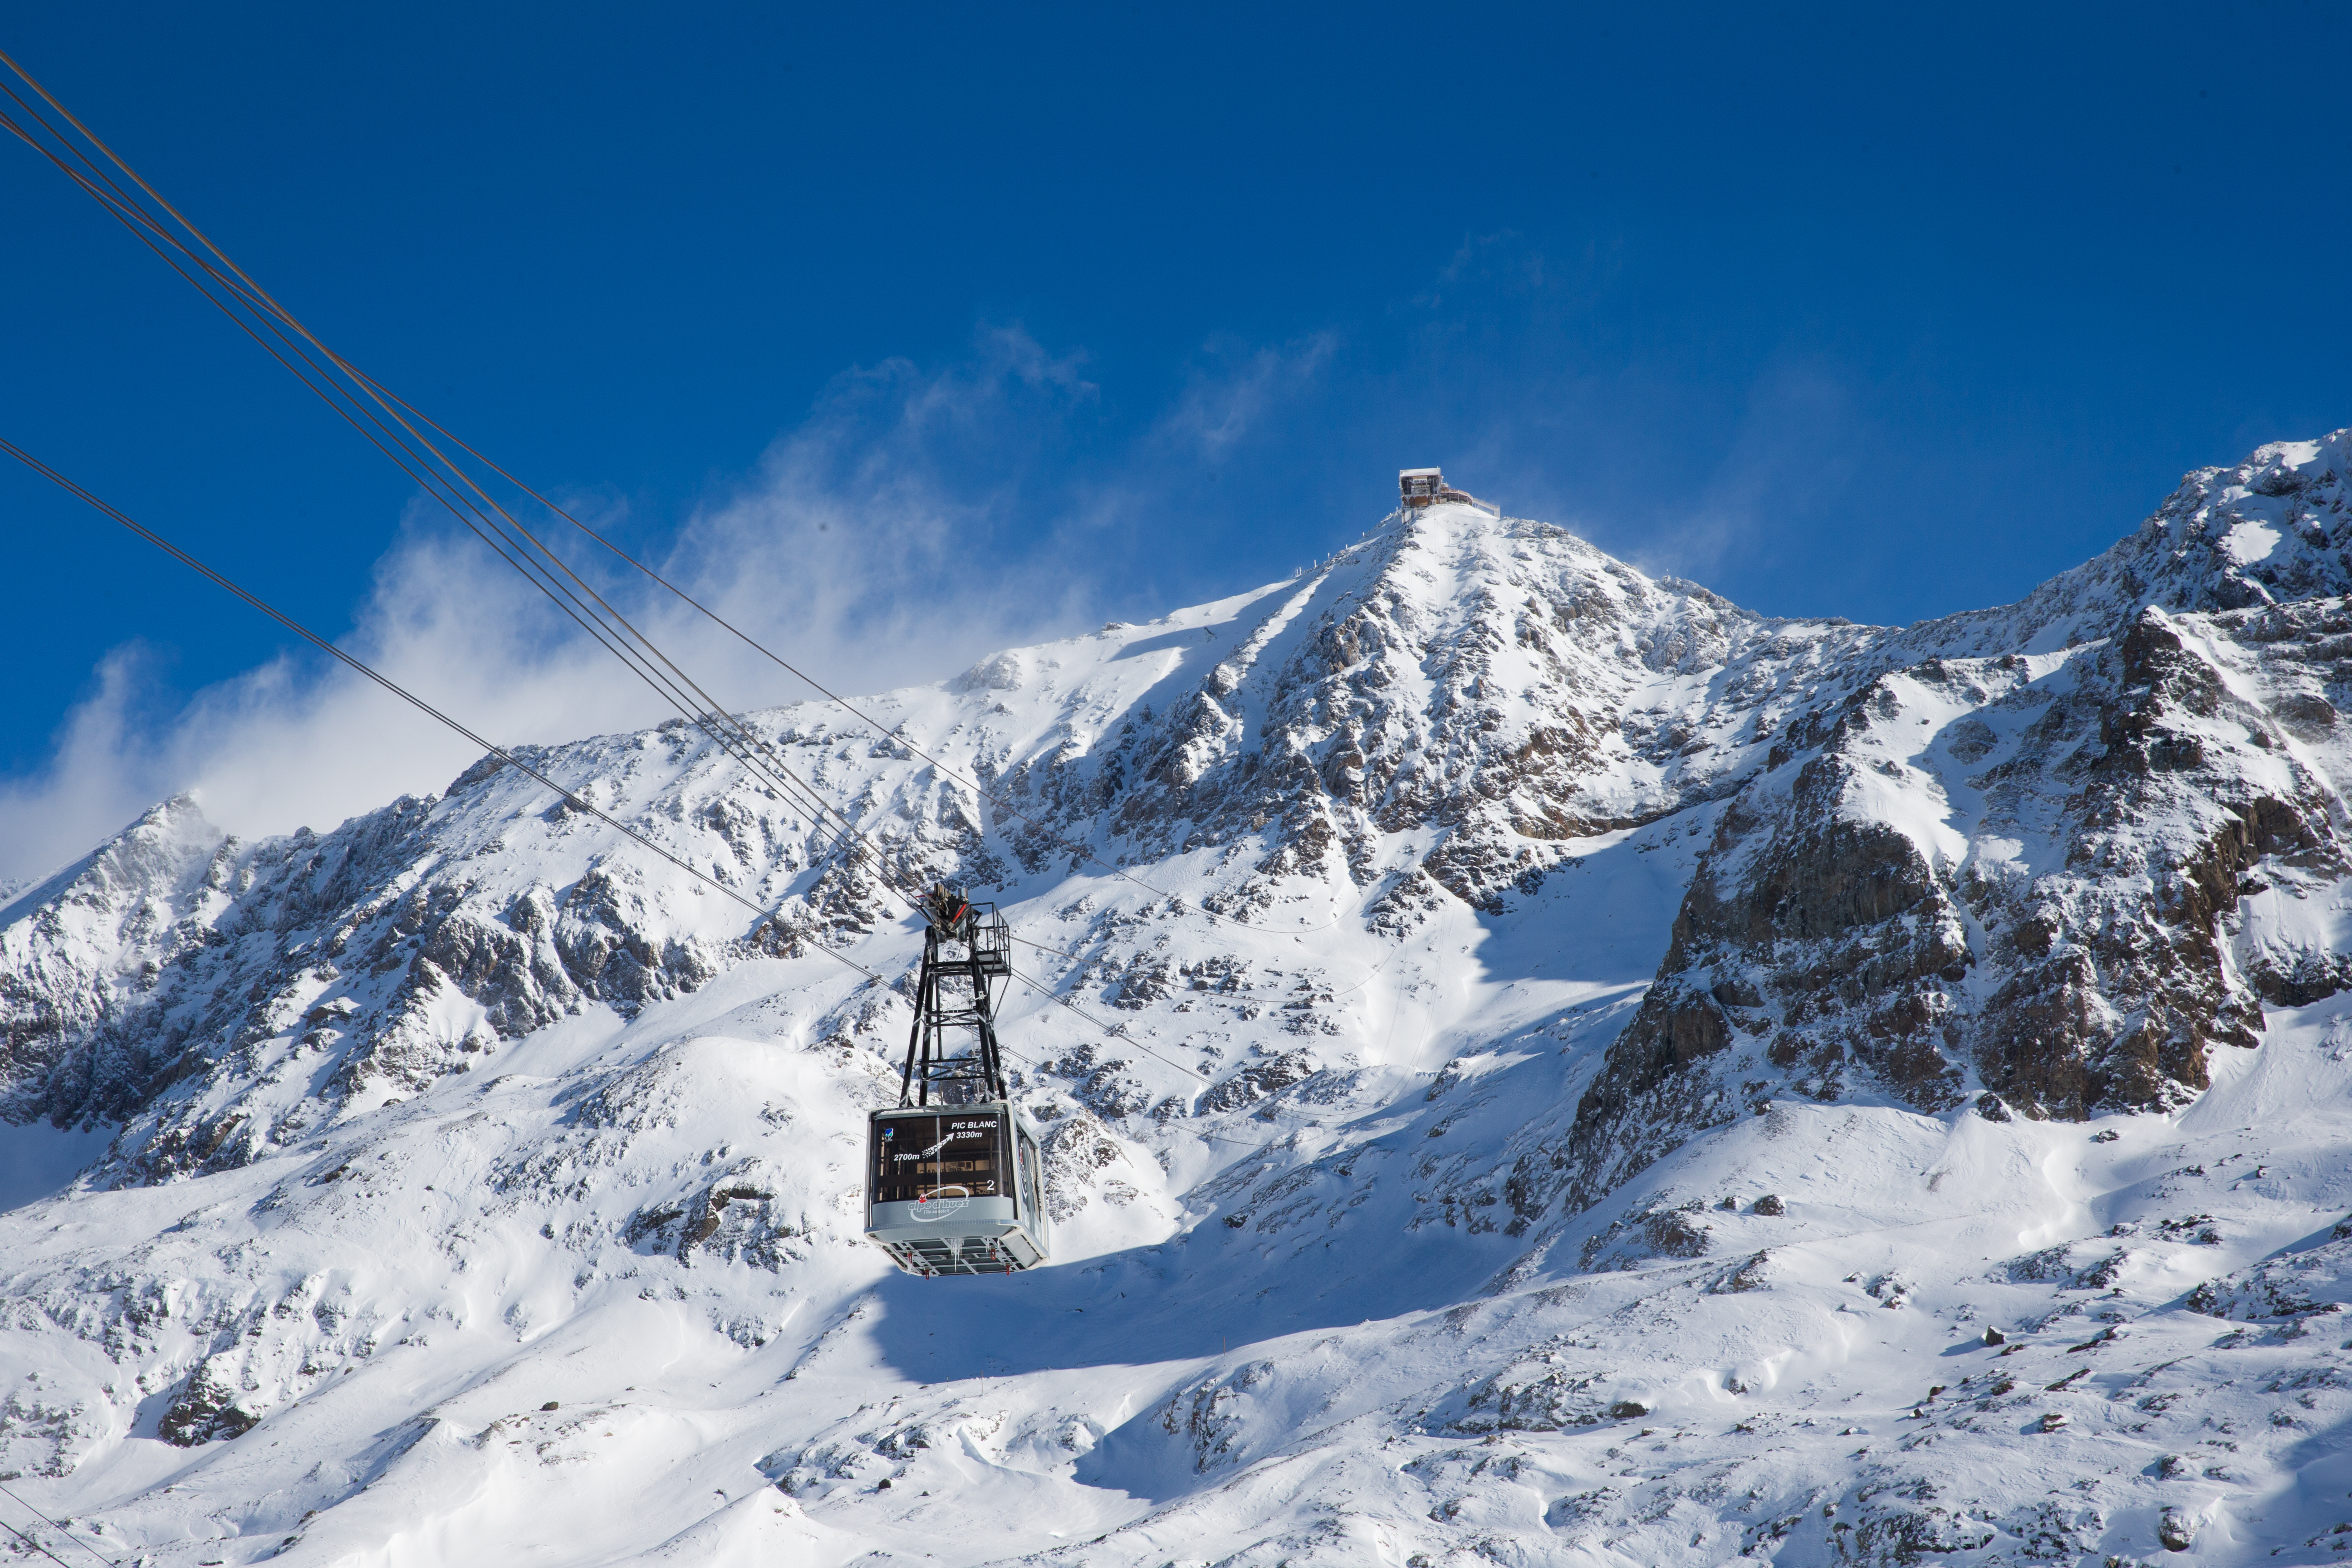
[1230, 395]
[1789, 456]
[878, 544]
[917, 519]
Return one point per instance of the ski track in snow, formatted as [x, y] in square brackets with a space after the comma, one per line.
[593, 1293]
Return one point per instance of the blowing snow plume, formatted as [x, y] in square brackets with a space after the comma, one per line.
[847, 550]
[1601, 1076]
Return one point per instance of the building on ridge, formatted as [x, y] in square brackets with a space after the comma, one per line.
[1418, 487]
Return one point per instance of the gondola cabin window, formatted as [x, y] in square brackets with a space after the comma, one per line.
[925, 1158]
[1029, 1163]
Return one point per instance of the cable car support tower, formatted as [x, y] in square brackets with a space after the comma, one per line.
[953, 992]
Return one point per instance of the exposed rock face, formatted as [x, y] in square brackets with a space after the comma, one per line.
[1499, 689]
[96, 933]
[225, 999]
[2048, 854]
[204, 1410]
[1436, 717]
[1419, 1158]
[2014, 860]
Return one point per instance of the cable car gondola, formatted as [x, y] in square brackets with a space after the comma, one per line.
[956, 1186]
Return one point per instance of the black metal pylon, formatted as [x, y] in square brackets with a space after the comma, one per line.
[965, 947]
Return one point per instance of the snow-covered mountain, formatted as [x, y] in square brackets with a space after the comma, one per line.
[1590, 1064]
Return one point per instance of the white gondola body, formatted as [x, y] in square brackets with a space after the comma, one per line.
[956, 1189]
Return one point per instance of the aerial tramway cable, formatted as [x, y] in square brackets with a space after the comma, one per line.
[29, 1540]
[766, 917]
[33, 1543]
[482, 517]
[254, 298]
[424, 464]
[375, 415]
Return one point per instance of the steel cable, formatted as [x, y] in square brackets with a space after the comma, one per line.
[447, 482]
[260, 300]
[473, 516]
[766, 918]
[402, 446]
[28, 1540]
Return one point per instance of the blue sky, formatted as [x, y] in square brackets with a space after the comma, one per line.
[970, 324]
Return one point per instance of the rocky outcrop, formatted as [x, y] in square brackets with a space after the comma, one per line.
[1479, 682]
[205, 1410]
[2020, 871]
[81, 952]
[2045, 858]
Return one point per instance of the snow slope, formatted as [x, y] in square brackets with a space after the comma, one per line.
[1487, 929]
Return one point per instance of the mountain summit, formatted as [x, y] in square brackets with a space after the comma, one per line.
[1557, 1068]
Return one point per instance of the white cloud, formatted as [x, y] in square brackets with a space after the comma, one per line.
[81, 794]
[918, 519]
[1220, 405]
[881, 542]
[1789, 456]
